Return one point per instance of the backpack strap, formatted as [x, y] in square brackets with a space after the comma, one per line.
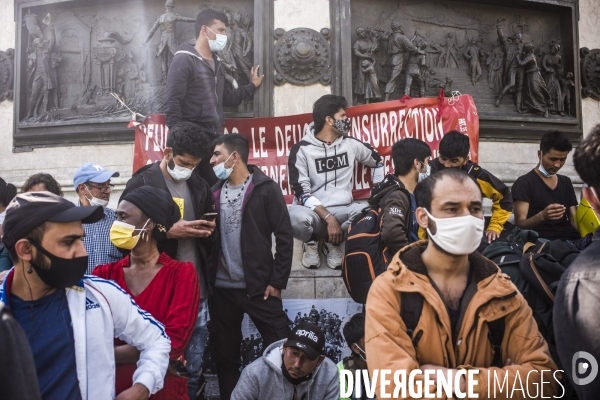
[495, 335]
[410, 310]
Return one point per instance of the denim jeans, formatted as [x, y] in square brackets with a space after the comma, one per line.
[195, 349]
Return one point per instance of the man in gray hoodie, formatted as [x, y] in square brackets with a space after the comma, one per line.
[321, 168]
[291, 369]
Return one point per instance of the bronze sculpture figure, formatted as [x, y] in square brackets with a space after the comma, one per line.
[42, 79]
[364, 47]
[495, 63]
[416, 62]
[535, 94]
[167, 46]
[473, 53]
[513, 78]
[552, 65]
[398, 46]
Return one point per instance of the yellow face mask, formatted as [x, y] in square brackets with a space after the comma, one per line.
[121, 234]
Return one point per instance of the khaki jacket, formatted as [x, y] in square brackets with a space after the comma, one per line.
[388, 345]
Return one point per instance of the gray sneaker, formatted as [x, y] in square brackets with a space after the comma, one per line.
[334, 256]
[310, 255]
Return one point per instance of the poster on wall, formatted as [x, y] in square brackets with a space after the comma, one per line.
[379, 124]
[330, 315]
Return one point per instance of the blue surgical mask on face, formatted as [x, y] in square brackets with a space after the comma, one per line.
[544, 172]
[221, 172]
[425, 175]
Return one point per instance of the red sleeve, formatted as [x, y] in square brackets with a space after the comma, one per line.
[183, 308]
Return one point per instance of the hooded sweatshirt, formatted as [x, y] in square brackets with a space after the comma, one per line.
[196, 93]
[264, 380]
[321, 173]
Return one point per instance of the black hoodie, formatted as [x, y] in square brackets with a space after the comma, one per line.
[195, 93]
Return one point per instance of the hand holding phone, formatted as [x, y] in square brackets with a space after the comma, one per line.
[209, 216]
[177, 368]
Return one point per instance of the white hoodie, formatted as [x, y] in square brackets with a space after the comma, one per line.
[321, 173]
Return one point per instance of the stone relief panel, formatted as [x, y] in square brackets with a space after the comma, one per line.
[7, 67]
[512, 61]
[76, 57]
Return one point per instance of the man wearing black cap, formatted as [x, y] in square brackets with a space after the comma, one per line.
[300, 360]
[67, 316]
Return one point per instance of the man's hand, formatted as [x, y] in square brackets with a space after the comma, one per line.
[254, 78]
[136, 392]
[191, 229]
[271, 291]
[491, 236]
[334, 230]
[553, 212]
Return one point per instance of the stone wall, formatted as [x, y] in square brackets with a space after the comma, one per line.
[506, 160]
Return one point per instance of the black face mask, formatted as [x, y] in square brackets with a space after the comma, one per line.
[63, 272]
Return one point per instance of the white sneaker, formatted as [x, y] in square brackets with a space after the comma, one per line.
[334, 256]
[310, 255]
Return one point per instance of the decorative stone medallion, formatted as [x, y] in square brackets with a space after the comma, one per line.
[590, 73]
[302, 56]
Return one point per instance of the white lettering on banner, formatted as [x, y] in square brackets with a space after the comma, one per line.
[279, 141]
[255, 153]
[261, 134]
[393, 124]
[462, 125]
[367, 134]
[375, 131]
[309, 334]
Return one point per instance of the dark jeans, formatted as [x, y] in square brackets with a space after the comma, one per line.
[227, 308]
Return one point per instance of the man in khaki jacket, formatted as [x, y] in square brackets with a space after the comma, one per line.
[462, 291]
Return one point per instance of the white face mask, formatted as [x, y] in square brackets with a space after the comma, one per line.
[544, 172]
[425, 175]
[362, 353]
[94, 201]
[457, 235]
[217, 44]
[221, 172]
[179, 173]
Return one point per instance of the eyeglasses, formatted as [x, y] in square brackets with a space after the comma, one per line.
[103, 188]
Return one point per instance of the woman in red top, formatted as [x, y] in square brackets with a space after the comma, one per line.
[165, 288]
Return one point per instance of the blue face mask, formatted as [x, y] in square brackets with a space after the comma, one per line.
[221, 172]
[425, 175]
[544, 172]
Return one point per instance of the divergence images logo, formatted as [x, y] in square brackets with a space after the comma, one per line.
[581, 368]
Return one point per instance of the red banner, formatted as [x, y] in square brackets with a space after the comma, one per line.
[379, 124]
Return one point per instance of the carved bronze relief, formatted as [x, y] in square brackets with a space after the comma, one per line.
[6, 74]
[73, 56]
[590, 73]
[302, 56]
[510, 61]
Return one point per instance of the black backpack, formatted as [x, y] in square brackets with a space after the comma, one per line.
[365, 257]
[410, 312]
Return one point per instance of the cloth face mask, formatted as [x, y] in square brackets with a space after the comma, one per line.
[342, 125]
[217, 44]
[63, 272]
[121, 234]
[221, 172]
[457, 235]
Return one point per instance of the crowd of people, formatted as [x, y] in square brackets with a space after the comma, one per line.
[99, 303]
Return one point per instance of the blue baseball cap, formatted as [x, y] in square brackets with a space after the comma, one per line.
[91, 172]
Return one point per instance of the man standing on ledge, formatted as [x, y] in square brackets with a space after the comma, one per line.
[195, 89]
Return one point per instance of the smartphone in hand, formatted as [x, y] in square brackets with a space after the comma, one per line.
[209, 216]
[180, 369]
